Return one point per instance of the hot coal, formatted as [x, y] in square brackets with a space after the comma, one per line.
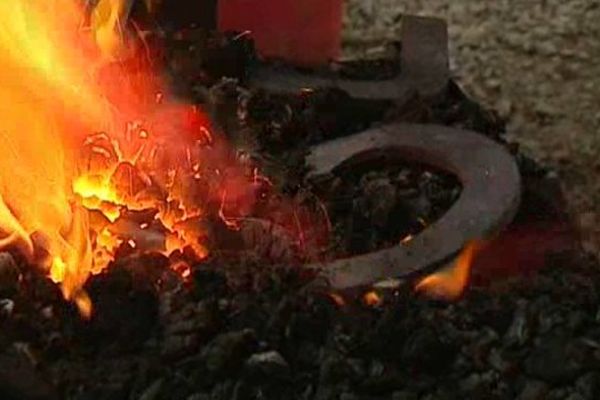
[246, 328]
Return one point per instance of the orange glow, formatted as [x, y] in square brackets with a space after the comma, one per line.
[108, 25]
[183, 269]
[450, 283]
[55, 92]
[84, 304]
[58, 270]
[407, 239]
[372, 299]
[45, 93]
[95, 155]
[337, 299]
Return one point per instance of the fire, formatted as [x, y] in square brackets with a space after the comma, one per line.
[449, 283]
[97, 158]
[42, 86]
[108, 26]
[372, 299]
[337, 299]
[53, 93]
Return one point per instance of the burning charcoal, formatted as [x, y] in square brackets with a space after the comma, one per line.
[227, 352]
[9, 274]
[128, 181]
[269, 364]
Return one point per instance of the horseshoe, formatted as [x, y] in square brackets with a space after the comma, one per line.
[488, 202]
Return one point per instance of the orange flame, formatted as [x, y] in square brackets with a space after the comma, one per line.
[78, 162]
[450, 283]
[108, 25]
[52, 95]
[372, 299]
[337, 299]
[46, 95]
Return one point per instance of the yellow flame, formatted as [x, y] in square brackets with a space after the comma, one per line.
[108, 24]
[449, 283]
[47, 95]
[84, 304]
[54, 94]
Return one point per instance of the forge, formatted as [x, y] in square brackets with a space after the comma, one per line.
[186, 213]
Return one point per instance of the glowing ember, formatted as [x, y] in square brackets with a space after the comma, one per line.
[406, 239]
[449, 283]
[108, 25]
[372, 299]
[46, 97]
[96, 157]
[54, 90]
[337, 299]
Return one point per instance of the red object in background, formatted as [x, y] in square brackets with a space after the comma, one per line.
[521, 250]
[304, 32]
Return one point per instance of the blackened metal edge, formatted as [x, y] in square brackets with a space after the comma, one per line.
[488, 202]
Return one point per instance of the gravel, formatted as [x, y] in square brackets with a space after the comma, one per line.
[537, 63]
